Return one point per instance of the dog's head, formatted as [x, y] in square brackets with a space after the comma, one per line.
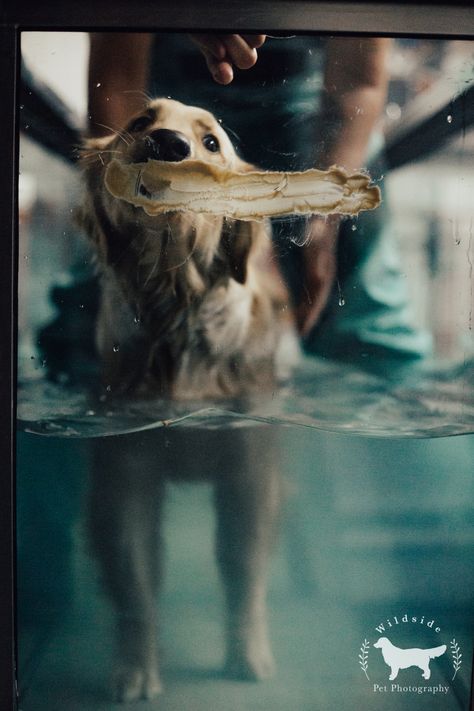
[381, 642]
[171, 131]
[166, 130]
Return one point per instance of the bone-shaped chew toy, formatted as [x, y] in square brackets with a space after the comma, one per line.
[159, 187]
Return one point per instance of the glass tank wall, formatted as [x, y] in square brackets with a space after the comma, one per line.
[347, 483]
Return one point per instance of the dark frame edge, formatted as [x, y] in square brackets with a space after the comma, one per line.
[8, 296]
[405, 17]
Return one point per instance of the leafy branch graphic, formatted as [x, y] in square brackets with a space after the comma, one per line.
[456, 654]
[364, 653]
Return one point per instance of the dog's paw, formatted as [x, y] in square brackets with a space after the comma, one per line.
[134, 684]
[253, 663]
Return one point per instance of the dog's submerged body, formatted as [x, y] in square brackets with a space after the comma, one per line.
[189, 309]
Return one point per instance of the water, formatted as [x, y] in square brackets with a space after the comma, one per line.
[418, 402]
[372, 528]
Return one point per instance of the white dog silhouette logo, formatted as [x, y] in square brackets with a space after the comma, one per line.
[397, 658]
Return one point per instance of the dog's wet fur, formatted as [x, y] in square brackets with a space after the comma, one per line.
[190, 309]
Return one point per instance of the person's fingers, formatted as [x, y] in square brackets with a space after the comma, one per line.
[210, 45]
[220, 70]
[222, 52]
[239, 52]
[255, 41]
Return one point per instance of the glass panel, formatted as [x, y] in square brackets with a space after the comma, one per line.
[161, 370]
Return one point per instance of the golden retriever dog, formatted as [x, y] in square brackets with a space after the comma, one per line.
[190, 309]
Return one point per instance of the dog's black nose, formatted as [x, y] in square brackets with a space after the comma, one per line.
[164, 144]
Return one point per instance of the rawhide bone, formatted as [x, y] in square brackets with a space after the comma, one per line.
[160, 186]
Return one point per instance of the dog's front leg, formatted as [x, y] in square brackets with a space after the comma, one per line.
[247, 502]
[125, 497]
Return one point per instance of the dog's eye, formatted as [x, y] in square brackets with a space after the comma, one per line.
[211, 143]
[140, 124]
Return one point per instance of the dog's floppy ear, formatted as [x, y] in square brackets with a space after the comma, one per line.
[238, 238]
[90, 216]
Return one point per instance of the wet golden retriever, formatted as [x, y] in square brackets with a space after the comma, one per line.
[190, 309]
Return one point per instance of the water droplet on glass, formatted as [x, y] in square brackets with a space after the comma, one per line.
[116, 348]
[109, 388]
[354, 228]
[98, 84]
[90, 413]
[449, 118]
[137, 319]
[81, 306]
[22, 106]
[393, 111]
[342, 301]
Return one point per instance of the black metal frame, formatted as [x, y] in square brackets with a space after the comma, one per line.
[429, 19]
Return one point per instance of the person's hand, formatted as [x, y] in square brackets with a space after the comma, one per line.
[224, 52]
[319, 270]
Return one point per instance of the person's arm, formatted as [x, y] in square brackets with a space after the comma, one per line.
[118, 71]
[355, 85]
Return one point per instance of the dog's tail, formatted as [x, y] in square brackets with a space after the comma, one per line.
[436, 651]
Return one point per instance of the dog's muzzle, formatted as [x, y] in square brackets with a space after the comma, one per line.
[162, 144]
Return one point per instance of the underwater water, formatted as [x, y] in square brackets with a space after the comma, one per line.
[371, 529]
[374, 454]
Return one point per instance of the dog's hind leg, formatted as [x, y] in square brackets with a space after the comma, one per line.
[125, 497]
[247, 502]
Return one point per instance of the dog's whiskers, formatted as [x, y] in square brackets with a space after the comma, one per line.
[97, 155]
[148, 97]
[120, 133]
